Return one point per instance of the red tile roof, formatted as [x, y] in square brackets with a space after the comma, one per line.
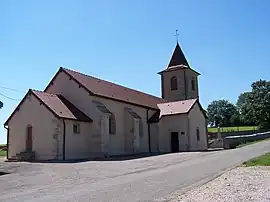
[113, 91]
[177, 107]
[60, 106]
[57, 104]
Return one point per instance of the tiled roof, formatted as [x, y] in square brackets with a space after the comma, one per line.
[57, 104]
[114, 91]
[177, 107]
[60, 106]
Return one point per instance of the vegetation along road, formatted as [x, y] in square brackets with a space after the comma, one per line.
[155, 178]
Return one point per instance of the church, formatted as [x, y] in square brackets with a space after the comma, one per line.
[78, 116]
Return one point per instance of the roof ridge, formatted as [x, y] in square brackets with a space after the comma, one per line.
[76, 112]
[109, 82]
[39, 91]
[177, 101]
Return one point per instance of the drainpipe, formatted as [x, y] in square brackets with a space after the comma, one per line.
[64, 140]
[7, 139]
[149, 136]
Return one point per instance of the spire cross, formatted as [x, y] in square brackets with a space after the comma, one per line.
[176, 35]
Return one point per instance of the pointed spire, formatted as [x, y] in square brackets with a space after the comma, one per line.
[178, 57]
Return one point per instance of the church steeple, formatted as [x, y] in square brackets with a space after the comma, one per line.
[179, 81]
[178, 57]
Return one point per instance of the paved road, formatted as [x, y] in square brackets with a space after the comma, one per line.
[158, 178]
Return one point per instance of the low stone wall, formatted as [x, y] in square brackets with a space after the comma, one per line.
[231, 142]
[214, 135]
[227, 134]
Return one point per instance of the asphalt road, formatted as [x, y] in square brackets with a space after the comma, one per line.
[158, 178]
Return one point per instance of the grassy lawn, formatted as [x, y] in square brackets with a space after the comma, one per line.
[3, 153]
[263, 160]
[233, 129]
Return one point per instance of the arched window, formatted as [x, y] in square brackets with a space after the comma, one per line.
[112, 125]
[174, 83]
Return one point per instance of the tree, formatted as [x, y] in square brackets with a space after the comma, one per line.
[236, 119]
[254, 106]
[244, 105]
[222, 113]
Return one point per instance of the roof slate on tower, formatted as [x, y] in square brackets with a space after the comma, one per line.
[178, 61]
[110, 90]
[178, 58]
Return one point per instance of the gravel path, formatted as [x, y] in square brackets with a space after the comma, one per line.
[240, 184]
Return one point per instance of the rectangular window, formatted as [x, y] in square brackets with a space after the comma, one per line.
[198, 134]
[193, 84]
[76, 128]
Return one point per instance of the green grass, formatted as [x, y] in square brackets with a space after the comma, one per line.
[3, 153]
[233, 129]
[263, 160]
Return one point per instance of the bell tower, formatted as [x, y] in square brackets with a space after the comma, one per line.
[178, 80]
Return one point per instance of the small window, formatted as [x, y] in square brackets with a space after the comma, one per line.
[76, 128]
[193, 84]
[198, 134]
[174, 83]
[112, 125]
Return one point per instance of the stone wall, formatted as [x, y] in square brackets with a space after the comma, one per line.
[214, 135]
[231, 142]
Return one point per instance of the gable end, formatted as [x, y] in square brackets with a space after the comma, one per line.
[30, 92]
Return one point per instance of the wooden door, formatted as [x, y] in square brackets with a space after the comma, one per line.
[29, 139]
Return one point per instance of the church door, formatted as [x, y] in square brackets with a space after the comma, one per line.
[29, 139]
[174, 142]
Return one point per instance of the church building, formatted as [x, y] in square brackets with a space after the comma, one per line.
[78, 116]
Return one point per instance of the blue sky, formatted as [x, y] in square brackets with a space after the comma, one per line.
[227, 41]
